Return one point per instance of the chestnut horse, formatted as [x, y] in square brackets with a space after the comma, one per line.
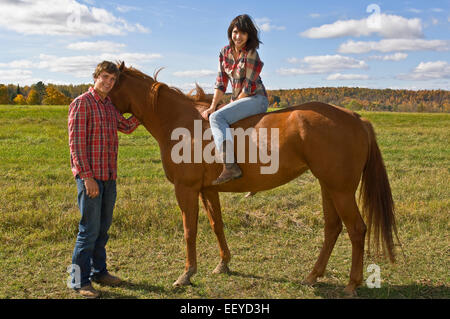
[335, 144]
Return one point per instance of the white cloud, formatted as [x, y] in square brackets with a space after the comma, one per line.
[83, 66]
[141, 28]
[188, 86]
[195, 73]
[78, 66]
[15, 75]
[392, 57]
[265, 24]
[62, 17]
[294, 60]
[102, 46]
[323, 64]
[18, 64]
[386, 26]
[390, 45]
[414, 10]
[124, 8]
[132, 58]
[315, 15]
[428, 71]
[339, 76]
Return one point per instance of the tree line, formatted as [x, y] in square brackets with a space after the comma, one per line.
[40, 94]
[366, 99]
[351, 98]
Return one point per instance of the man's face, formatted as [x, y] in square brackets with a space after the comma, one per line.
[105, 82]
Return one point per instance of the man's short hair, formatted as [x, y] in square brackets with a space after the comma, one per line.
[107, 66]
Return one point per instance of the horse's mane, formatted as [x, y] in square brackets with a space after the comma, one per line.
[199, 99]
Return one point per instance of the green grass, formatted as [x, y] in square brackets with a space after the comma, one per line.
[274, 237]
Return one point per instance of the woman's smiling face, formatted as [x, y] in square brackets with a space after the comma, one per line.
[239, 38]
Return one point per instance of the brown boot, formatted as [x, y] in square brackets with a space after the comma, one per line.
[107, 280]
[88, 292]
[229, 172]
[230, 169]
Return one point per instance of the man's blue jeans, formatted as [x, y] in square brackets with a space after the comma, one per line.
[89, 255]
[221, 120]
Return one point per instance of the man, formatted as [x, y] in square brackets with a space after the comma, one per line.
[93, 123]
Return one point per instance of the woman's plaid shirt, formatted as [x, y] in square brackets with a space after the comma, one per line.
[93, 139]
[243, 73]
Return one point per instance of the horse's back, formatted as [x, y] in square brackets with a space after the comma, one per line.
[331, 140]
[311, 111]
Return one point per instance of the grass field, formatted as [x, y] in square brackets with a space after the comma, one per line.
[274, 237]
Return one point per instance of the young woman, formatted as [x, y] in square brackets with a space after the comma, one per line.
[239, 64]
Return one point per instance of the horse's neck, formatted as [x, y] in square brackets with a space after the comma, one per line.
[169, 113]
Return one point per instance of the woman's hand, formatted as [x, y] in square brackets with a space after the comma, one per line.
[207, 112]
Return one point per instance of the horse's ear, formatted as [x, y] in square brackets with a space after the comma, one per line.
[122, 65]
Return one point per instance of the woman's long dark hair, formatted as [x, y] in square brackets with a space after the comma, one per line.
[244, 23]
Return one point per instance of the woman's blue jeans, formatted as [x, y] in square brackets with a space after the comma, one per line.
[89, 254]
[221, 120]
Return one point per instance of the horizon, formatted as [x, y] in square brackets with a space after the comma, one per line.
[400, 46]
[229, 92]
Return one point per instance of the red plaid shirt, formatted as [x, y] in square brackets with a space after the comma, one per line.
[243, 73]
[93, 139]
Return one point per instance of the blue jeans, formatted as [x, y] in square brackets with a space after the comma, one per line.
[221, 120]
[89, 254]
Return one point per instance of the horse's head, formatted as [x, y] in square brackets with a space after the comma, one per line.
[129, 92]
[119, 94]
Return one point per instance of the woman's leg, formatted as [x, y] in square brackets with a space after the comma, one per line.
[221, 120]
[220, 127]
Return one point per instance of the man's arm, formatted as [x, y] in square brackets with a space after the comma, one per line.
[127, 125]
[77, 126]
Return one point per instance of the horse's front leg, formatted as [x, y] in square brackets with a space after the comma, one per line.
[188, 201]
[211, 202]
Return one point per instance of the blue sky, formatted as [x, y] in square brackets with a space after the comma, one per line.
[390, 44]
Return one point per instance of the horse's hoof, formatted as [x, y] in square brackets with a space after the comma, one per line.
[185, 278]
[221, 268]
[310, 281]
[182, 281]
[350, 292]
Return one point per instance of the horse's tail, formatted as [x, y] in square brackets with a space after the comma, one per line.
[376, 197]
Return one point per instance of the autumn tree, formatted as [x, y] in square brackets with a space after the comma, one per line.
[54, 97]
[33, 97]
[4, 96]
[20, 100]
[40, 89]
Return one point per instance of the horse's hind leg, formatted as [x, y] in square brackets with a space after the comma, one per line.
[211, 202]
[348, 211]
[333, 227]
